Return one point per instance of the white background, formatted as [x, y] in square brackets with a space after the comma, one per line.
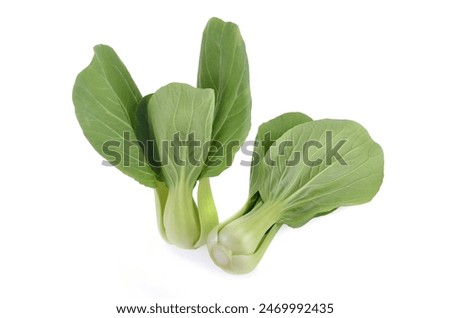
[78, 238]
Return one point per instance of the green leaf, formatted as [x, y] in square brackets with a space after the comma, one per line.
[181, 118]
[224, 67]
[321, 181]
[267, 134]
[105, 98]
[146, 136]
[181, 115]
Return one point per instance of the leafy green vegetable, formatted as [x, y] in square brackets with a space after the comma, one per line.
[177, 137]
[181, 105]
[105, 98]
[267, 133]
[224, 67]
[292, 192]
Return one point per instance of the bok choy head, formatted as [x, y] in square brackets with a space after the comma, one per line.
[176, 138]
[301, 169]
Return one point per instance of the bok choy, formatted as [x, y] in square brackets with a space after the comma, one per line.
[176, 138]
[301, 169]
